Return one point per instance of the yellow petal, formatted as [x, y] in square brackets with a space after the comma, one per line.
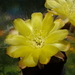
[58, 23]
[59, 6]
[47, 24]
[52, 4]
[72, 16]
[22, 27]
[47, 52]
[36, 20]
[70, 2]
[56, 36]
[43, 59]
[47, 5]
[19, 51]
[36, 53]
[28, 23]
[65, 7]
[62, 46]
[29, 62]
[16, 40]
[62, 1]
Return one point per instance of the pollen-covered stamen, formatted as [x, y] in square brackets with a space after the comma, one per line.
[37, 42]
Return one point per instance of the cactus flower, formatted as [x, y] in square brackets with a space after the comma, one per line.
[36, 39]
[65, 8]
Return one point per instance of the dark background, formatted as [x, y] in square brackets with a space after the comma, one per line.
[22, 7]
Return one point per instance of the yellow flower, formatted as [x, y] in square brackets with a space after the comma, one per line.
[66, 8]
[36, 39]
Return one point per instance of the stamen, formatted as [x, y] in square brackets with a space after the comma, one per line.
[37, 42]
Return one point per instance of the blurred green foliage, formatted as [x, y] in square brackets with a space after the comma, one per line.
[8, 65]
[70, 64]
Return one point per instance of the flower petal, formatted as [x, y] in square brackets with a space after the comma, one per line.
[56, 36]
[28, 23]
[62, 1]
[47, 5]
[47, 52]
[65, 7]
[36, 20]
[62, 46]
[29, 62]
[70, 2]
[22, 27]
[36, 53]
[58, 23]
[47, 24]
[16, 40]
[59, 6]
[19, 51]
[52, 4]
[43, 59]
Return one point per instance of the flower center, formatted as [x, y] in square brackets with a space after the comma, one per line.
[37, 42]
